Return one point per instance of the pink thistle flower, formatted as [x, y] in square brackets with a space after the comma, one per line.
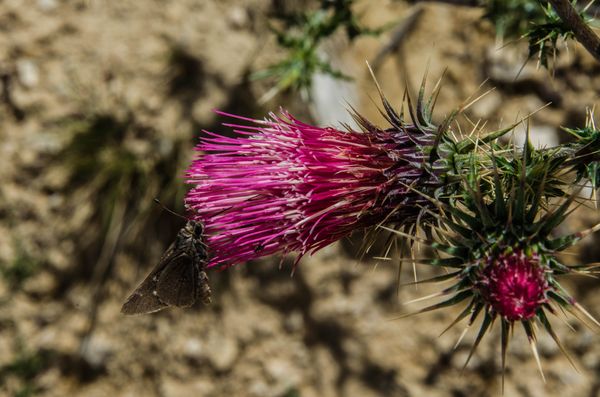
[282, 185]
[514, 285]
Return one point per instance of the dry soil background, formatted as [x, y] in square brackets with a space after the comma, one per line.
[74, 241]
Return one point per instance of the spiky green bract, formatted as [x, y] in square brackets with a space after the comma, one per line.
[446, 155]
[584, 152]
[496, 237]
[544, 36]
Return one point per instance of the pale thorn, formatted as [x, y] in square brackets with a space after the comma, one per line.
[589, 231]
[382, 258]
[480, 96]
[402, 234]
[461, 337]
[583, 319]
[586, 313]
[270, 94]
[414, 264]
[587, 6]
[426, 297]
[537, 357]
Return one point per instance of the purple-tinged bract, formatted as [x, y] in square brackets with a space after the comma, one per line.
[281, 185]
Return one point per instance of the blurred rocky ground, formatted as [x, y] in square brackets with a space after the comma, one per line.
[100, 105]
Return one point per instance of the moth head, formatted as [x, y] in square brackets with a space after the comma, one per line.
[197, 229]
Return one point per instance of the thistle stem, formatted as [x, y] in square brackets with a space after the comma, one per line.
[583, 33]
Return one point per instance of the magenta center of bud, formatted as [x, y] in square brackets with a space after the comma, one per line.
[514, 285]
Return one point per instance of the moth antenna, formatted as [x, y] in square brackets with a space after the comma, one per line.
[157, 201]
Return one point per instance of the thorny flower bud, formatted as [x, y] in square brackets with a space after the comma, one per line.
[514, 284]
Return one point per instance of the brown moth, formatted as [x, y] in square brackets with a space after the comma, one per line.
[179, 279]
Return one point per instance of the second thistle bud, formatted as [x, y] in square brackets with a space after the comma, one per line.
[498, 239]
[513, 284]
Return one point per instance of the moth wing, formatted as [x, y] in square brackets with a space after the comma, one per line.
[144, 299]
[177, 284]
[142, 302]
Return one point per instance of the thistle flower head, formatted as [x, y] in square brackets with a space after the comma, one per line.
[514, 284]
[281, 185]
[497, 236]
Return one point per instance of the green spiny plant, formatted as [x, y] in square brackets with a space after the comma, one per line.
[301, 37]
[535, 21]
[495, 238]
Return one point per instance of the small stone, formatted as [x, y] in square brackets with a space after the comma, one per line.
[48, 379]
[283, 374]
[277, 369]
[56, 178]
[294, 322]
[56, 200]
[47, 5]
[258, 388]
[193, 349]
[29, 158]
[42, 283]
[238, 17]
[222, 353]
[28, 73]
[58, 259]
[97, 351]
[47, 143]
